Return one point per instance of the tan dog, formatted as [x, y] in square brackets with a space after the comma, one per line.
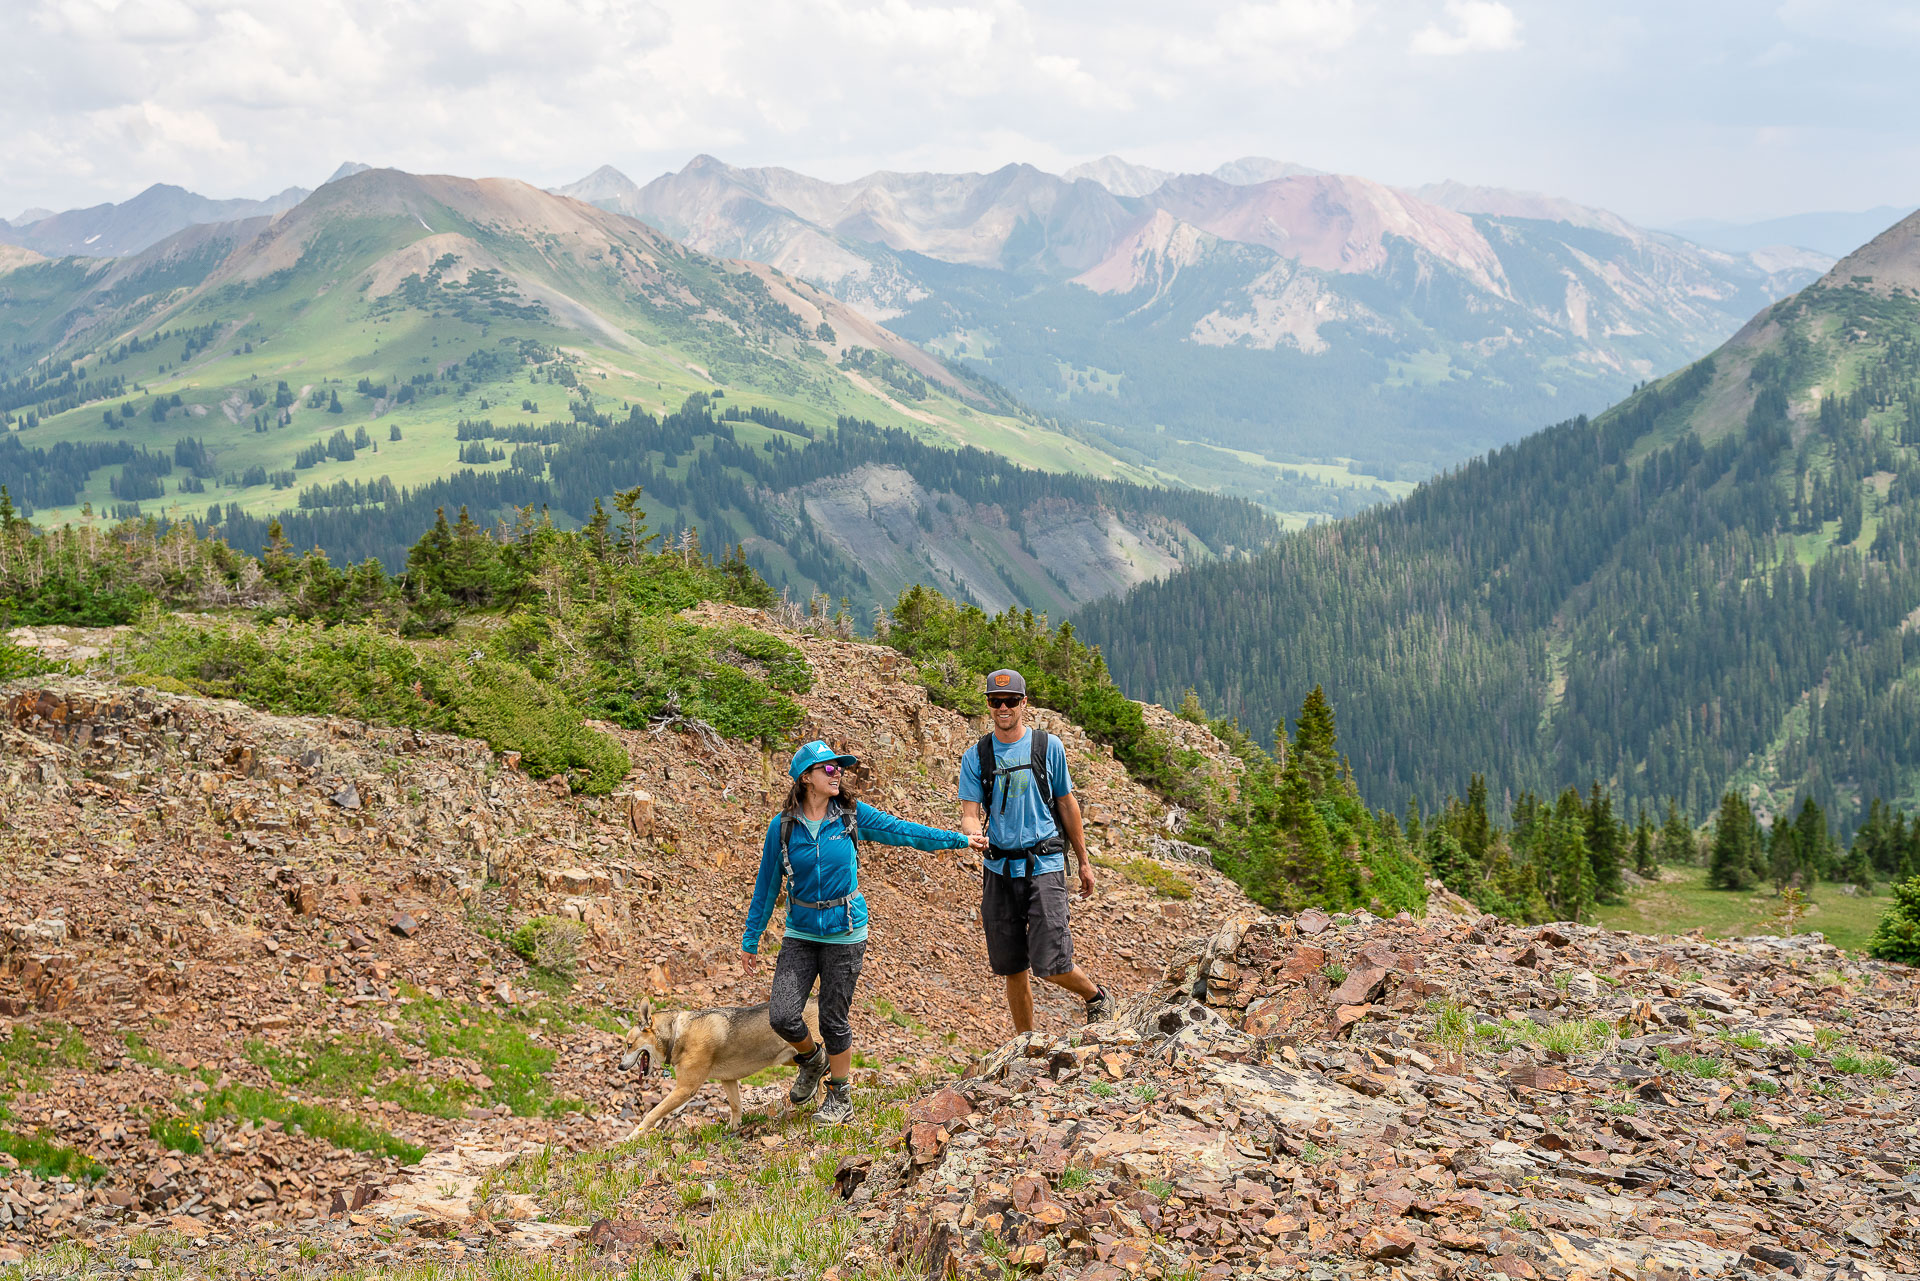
[721, 1045]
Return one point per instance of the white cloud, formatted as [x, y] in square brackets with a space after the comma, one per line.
[1639, 100]
[1472, 26]
[1308, 24]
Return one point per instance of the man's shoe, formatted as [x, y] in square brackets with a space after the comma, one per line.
[838, 1105]
[1099, 1007]
[807, 1083]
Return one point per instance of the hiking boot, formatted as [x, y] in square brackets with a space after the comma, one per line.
[807, 1083]
[837, 1106]
[1099, 1007]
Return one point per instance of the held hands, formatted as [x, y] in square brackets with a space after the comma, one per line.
[977, 843]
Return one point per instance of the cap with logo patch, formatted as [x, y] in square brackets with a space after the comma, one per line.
[1006, 681]
[817, 753]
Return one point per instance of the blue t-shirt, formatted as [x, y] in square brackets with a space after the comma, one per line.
[1025, 820]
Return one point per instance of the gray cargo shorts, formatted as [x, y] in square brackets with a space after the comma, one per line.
[1026, 923]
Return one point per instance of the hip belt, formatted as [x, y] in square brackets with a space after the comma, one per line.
[1024, 856]
[842, 901]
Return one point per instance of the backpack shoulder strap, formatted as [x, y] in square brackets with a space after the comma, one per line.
[850, 820]
[983, 753]
[1042, 777]
[786, 837]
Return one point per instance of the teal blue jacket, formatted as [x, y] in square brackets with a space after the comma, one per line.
[828, 869]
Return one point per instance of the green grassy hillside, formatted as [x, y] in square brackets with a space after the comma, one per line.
[438, 341]
[418, 302]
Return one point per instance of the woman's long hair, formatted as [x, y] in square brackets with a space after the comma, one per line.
[797, 793]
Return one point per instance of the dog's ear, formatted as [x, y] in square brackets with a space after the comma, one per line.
[646, 1012]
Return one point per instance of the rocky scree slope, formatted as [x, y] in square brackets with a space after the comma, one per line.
[209, 914]
[1352, 1096]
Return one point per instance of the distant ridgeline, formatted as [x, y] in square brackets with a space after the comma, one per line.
[1710, 587]
[690, 462]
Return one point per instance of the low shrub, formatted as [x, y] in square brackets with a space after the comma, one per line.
[361, 672]
[550, 944]
[16, 662]
[1161, 880]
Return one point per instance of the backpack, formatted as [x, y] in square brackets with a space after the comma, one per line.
[1036, 762]
[848, 821]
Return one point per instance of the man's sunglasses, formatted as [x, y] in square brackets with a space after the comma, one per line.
[829, 769]
[1004, 700]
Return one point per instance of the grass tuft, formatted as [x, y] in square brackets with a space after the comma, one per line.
[1702, 1066]
[43, 1158]
[330, 1125]
[33, 1049]
[1871, 1065]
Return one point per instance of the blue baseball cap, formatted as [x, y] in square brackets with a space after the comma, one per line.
[815, 753]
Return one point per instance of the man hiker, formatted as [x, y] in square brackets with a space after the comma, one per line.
[1015, 789]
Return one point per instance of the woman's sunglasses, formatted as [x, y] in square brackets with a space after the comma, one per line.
[1005, 700]
[829, 769]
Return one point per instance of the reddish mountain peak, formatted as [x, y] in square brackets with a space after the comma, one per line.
[1333, 222]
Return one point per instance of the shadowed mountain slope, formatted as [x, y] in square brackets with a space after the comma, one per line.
[1710, 586]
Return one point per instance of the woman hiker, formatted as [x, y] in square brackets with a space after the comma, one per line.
[811, 845]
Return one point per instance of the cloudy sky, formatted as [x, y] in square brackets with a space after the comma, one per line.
[1660, 109]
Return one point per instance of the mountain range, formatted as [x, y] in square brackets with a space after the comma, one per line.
[1833, 232]
[1713, 586]
[114, 230]
[117, 230]
[1264, 308]
[1310, 340]
[396, 342]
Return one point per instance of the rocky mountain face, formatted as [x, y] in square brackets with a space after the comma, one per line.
[207, 911]
[1440, 1098]
[1062, 553]
[1265, 306]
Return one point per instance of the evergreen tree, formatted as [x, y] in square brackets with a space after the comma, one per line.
[276, 560]
[1476, 827]
[748, 588]
[1856, 868]
[1897, 938]
[1814, 841]
[1316, 865]
[598, 541]
[1314, 739]
[12, 523]
[1606, 847]
[1449, 862]
[1677, 847]
[1566, 860]
[1874, 840]
[471, 576]
[634, 539]
[1644, 862]
[1730, 862]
